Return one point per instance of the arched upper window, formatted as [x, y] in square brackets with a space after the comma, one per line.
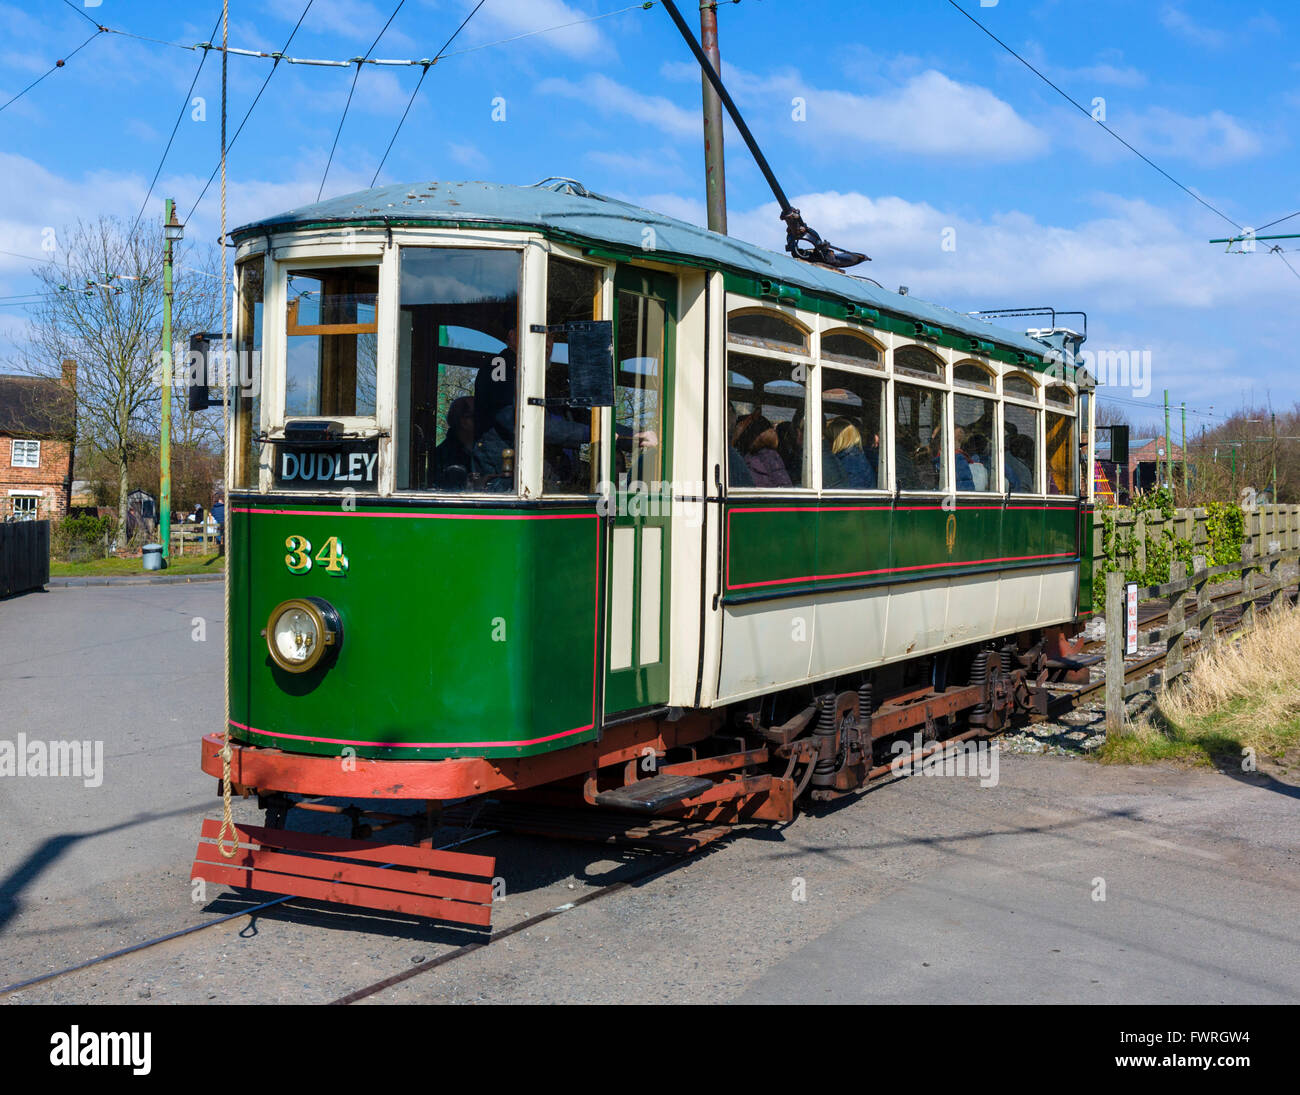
[850, 348]
[970, 375]
[916, 361]
[1017, 384]
[768, 330]
[1060, 395]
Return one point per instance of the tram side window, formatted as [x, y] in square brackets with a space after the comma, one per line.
[766, 407]
[852, 425]
[570, 458]
[457, 370]
[972, 433]
[248, 414]
[638, 388]
[1020, 449]
[331, 331]
[918, 438]
[1061, 462]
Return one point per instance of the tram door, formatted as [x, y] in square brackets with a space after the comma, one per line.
[645, 320]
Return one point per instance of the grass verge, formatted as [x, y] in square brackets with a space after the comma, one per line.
[1241, 695]
[98, 568]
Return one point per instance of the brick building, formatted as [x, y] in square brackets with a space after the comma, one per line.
[1145, 468]
[37, 426]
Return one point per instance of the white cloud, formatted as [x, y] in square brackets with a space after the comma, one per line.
[1209, 139]
[608, 97]
[513, 17]
[1178, 21]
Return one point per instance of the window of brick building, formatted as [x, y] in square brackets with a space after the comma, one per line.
[25, 507]
[26, 454]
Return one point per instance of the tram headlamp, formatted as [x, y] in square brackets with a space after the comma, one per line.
[301, 631]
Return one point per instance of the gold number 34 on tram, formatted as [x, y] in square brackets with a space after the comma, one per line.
[330, 556]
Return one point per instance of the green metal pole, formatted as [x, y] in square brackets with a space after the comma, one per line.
[1169, 458]
[1187, 490]
[165, 490]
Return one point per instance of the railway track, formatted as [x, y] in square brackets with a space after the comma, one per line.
[1063, 700]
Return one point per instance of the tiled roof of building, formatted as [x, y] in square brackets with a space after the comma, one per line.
[36, 407]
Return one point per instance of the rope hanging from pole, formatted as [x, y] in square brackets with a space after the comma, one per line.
[800, 240]
[231, 849]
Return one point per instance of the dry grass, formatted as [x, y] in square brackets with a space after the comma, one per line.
[1243, 694]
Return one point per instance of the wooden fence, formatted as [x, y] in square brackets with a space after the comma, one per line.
[1189, 604]
[1267, 529]
[24, 556]
[194, 537]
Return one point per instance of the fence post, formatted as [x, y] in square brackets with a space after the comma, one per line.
[1140, 543]
[1116, 630]
[1175, 622]
[1275, 581]
[1248, 585]
[1203, 600]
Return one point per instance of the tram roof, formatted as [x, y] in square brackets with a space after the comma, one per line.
[569, 211]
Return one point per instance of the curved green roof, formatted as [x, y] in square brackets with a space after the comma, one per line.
[568, 211]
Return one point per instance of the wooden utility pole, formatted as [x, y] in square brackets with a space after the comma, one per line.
[715, 175]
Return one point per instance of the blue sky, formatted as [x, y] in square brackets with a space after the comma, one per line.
[914, 123]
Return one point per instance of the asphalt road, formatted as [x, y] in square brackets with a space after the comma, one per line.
[925, 889]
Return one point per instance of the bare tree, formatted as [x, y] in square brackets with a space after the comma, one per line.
[102, 308]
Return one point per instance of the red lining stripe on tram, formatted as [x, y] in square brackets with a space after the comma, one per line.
[883, 570]
[413, 744]
[443, 516]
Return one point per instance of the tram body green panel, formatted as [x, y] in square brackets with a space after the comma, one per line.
[768, 554]
[465, 632]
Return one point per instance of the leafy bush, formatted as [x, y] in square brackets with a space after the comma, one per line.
[76, 539]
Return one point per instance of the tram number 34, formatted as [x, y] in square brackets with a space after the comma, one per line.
[330, 556]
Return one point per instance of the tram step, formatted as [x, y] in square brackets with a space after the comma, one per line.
[649, 796]
[393, 877]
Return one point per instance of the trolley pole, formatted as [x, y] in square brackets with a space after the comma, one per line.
[715, 176]
[165, 446]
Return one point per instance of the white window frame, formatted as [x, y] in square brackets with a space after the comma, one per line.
[13, 453]
[738, 305]
[34, 495]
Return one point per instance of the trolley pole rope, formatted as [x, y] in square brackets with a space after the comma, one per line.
[227, 821]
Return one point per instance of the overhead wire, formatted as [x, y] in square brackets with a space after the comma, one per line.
[185, 105]
[240, 128]
[402, 121]
[1088, 113]
[351, 91]
[60, 63]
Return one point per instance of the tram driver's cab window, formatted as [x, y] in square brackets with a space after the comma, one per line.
[457, 370]
[570, 456]
[331, 329]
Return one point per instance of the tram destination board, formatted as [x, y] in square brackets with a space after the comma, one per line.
[343, 463]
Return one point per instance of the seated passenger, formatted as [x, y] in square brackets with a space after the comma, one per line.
[904, 467]
[755, 438]
[846, 451]
[790, 445]
[453, 459]
[977, 452]
[1016, 476]
[961, 461]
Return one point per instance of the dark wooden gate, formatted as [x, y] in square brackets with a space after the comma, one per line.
[24, 556]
